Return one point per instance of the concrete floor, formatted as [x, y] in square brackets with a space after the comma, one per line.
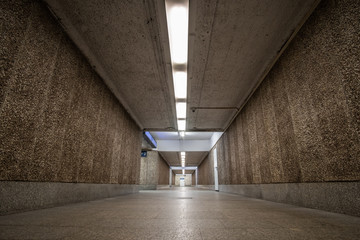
[183, 213]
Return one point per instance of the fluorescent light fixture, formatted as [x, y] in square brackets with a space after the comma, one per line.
[182, 153]
[180, 84]
[149, 138]
[183, 171]
[181, 125]
[181, 110]
[177, 14]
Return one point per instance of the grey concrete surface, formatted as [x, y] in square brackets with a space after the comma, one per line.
[147, 187]
[183, 213]
[124, 43]
[232, 44]
[206, 187]
[140, 58]
[340, 197]
[25, 196]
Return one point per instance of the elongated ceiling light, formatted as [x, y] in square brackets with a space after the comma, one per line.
[182, 154]
[177, 15]
[180, 84]
[181, 110]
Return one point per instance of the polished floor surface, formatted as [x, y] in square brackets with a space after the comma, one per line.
[183, 213]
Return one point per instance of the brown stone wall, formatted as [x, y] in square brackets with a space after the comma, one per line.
[154, 170]
[173, 178]
[149, 169]
[163, 171]
[303, 122]
[206, 170]
[58, 121]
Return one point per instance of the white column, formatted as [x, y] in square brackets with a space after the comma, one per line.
[196, 177]
[170, 177]
[216, 177]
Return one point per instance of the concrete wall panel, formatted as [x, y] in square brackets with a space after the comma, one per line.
[340, 197]
[18, 196]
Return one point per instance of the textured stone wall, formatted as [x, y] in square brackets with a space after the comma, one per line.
[163, 171]
[303, 122]
[149, 170]
[58, 121]
[206, 170]
[154, 170]
[173, 178]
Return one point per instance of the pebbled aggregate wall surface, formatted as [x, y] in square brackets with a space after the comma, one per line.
[206, 170]
[154, 170]
[303, 122]
[163, 178]
[58, 120]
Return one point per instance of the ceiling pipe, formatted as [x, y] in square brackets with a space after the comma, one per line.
[270, 66]
[193, 109]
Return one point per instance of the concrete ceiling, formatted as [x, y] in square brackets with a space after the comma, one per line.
[232, 45]
[121, 40]
[191, 159]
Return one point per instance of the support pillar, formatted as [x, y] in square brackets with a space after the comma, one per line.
[170, 177]
[196, 177]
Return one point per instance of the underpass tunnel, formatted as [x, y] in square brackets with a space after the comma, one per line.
[179, 119]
